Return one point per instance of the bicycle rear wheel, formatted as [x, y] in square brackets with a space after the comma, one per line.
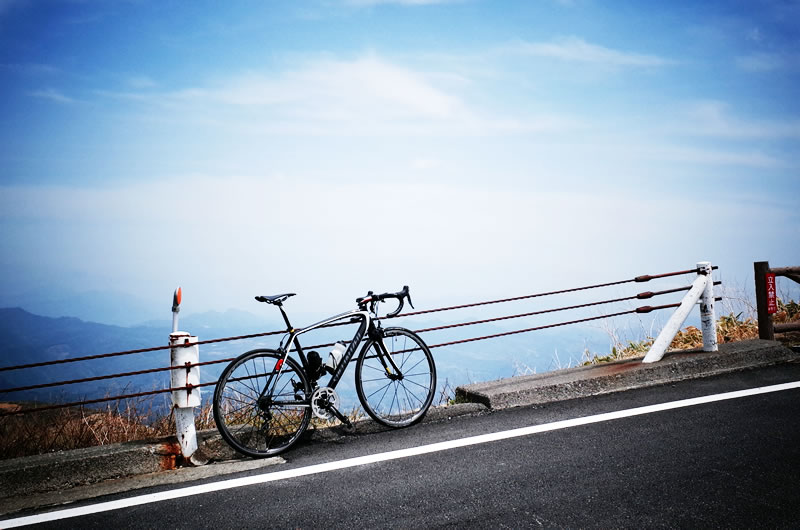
[261, 403]
[396, 400]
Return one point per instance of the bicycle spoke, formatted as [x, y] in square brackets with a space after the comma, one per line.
[394, 398]
[424, 387]
[408, 399]
[421, 360]
[386, 391]
[411, 394]
[237, 409]
[277, 419]
[247, 370]
[376, 379]
[379, 389]
[380, 368]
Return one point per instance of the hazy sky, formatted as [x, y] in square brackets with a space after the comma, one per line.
[470, 149]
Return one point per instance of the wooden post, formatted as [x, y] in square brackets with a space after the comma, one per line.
[765, 329]
[793, 273]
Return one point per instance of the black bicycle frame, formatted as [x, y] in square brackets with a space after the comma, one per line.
[367, 323]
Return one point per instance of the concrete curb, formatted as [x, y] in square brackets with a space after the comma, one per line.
[79, 467]
[623, 375]
[129, 483]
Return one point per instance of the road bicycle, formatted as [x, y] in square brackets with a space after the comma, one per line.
[264, 399]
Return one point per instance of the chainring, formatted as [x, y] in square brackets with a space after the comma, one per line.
[321, 400]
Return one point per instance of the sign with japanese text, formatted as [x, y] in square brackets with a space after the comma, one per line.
[772, 300]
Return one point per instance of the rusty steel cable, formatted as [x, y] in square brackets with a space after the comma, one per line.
[128, 352]
[101, 400]
[86, 380]
[642, 309]
[114, 376]
[638, 279]
[643, 278]
[639, 296]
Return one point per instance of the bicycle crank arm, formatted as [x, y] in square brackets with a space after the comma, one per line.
[339, 416]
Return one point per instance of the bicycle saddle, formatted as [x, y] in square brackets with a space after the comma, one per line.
[276, 299]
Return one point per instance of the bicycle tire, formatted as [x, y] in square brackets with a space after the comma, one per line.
[262, 426]
[390, 401]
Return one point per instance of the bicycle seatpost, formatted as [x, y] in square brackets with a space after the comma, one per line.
[285, 317]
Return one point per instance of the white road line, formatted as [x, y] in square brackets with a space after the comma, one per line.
[382, 457]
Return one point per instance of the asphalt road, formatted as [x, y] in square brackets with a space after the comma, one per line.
[732, 463]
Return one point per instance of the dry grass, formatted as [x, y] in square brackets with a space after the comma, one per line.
[78, 427]
[445, 396]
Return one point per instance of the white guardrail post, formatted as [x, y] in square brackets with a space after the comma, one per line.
[184, 353]
[708, 319]
[702, 290]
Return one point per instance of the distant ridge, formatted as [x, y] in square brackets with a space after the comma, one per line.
[27, 338]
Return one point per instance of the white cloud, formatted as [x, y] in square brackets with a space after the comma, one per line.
[713, 118]
[716, 157]
[426, 164]
[344, 88]
[365, 96]
[759, 62]
[141, 81]
[578, 50]
[30, 68]
[52, 95]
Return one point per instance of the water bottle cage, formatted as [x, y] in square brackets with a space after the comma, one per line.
[315, 367]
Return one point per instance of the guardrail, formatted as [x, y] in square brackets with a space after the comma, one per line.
[702, 291]
[767, 298]
[188, 393]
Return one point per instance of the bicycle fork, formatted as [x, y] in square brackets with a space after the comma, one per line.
[393, 371]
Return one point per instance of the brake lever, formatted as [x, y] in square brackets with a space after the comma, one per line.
[408, 296]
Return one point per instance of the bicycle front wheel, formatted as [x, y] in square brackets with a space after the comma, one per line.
[396, 399]
[261, 403]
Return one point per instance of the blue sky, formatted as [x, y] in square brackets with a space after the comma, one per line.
[469, 148]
